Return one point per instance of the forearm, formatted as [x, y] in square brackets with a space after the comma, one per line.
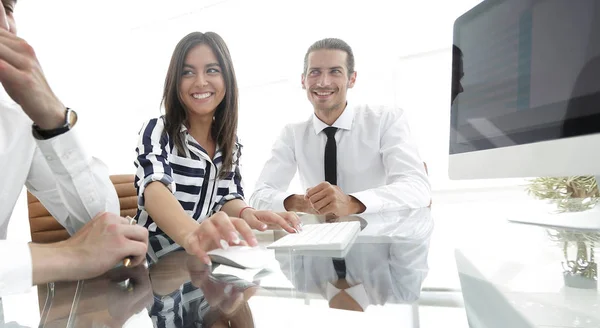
[274, 180]
[167, 213]
[233, 207]
[169, 273]
[50, 118]
[72, 185]
[406, 194]
[51, 262]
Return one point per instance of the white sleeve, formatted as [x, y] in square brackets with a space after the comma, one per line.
[16, 270]
[279, 170]
[408, 268]
[73, 186]
[407, 184]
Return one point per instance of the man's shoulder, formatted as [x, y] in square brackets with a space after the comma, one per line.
[377, 113]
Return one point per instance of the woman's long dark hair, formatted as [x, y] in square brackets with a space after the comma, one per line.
[224, 126]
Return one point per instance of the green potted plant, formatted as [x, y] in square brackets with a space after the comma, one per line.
[572, 194]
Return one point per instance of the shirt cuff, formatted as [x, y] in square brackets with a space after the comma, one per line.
[372, 203]
[17, 270]
[277, 203]
[64, 153]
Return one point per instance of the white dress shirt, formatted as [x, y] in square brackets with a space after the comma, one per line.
[386, 263]
[71, 185]
[377, 161]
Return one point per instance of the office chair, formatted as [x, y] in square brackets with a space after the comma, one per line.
[45, 229]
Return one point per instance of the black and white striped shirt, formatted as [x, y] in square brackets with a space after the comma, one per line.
[192, 178]
[187, 306]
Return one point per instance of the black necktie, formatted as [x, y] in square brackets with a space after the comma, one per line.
[331, 176]
[330, 156]
[339, 264]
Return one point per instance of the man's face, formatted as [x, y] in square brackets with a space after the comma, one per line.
[7, 10]
[326, 80]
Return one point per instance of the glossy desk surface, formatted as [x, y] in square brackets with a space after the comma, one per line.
[530, 276]
[385, 268]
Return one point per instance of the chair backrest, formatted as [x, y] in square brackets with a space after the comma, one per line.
[45, 229]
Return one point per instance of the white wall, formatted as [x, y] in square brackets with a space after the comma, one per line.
[108, 60]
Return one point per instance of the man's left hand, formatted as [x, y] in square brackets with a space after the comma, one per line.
[329, 199]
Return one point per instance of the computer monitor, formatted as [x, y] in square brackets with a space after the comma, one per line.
[526, 90]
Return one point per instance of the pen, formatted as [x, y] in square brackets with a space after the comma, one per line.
[127, 260]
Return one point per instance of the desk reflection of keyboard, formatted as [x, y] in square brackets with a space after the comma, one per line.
[326, 239]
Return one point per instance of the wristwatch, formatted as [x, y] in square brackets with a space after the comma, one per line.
[70, 120]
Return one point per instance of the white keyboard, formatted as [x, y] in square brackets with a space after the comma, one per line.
[320, 237]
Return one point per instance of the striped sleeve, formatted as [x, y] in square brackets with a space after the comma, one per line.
[230, 187]
[152, 162]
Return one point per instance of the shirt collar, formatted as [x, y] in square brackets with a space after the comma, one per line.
[188, 139]
[343, 122]
[357, 292]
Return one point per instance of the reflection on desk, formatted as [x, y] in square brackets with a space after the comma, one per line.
[103, 301]
[387, 263]
[188, 294]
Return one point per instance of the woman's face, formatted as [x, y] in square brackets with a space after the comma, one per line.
[202, 86]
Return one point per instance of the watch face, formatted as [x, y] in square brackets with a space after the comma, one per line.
[72, 119]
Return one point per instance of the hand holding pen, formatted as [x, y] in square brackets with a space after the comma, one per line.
[102, 243]
[127, 260]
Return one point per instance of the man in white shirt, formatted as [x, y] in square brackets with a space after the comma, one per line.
[48, 158]
[351, 159]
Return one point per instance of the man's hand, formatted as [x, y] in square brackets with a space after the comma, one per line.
[217, 228]
[23, 79]
[289, 221]
[101, 244]
[299, 203]
[329, 199]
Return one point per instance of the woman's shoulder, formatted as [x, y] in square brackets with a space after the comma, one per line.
[158, 122]
[154, 128]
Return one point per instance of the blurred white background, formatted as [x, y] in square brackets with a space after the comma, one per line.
[107, 60]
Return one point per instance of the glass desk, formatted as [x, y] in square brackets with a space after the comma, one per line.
[385, 269]
[530, 276]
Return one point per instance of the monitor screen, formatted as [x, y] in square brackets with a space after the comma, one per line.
[525, 71]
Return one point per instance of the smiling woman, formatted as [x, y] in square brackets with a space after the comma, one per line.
[188, 159]
[200, 72]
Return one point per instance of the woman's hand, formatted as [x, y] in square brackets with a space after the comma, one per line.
[289, 221]
[218, 231]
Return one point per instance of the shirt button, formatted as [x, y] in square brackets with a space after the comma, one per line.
[49, 158]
